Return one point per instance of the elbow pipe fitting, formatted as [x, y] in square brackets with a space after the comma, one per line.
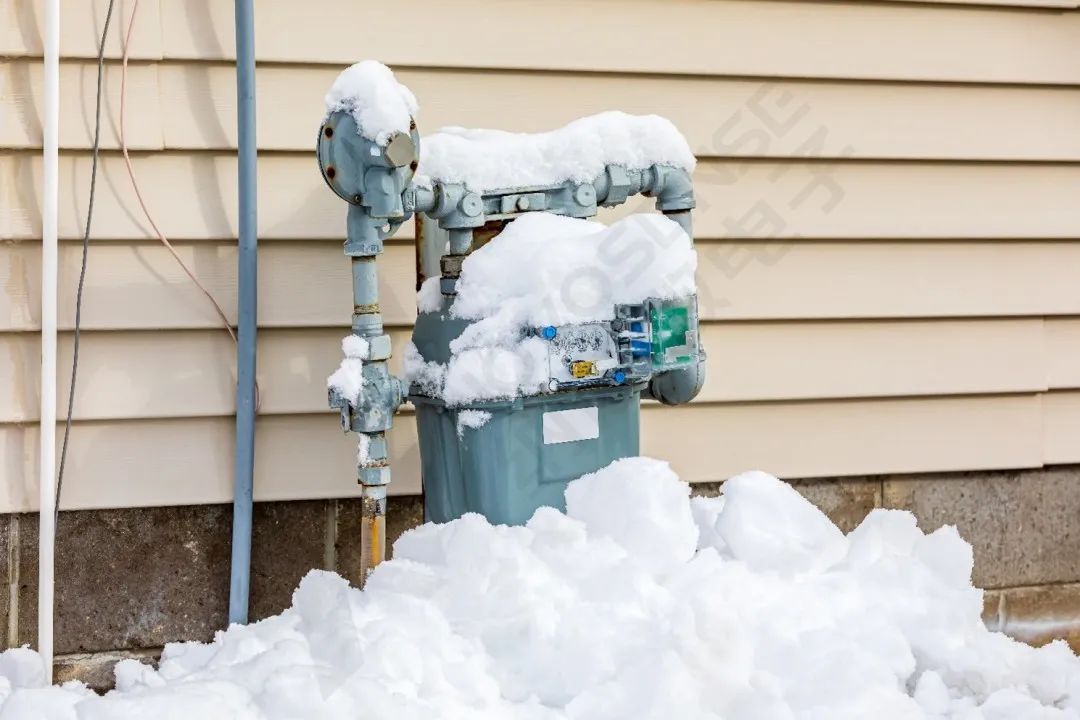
[672, 187]
[678, 387]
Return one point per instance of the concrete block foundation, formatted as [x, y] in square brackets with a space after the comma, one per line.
[131, 580]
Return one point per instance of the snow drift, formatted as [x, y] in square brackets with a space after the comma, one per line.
[637, 603]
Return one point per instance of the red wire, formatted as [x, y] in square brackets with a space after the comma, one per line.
[142, 203]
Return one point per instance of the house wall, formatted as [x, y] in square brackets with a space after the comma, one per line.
[887, 225]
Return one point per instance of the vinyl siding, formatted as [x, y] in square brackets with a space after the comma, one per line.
[887, 225]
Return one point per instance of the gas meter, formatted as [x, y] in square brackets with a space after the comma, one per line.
[585, 413]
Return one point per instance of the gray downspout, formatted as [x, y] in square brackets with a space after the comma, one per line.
[247, 294]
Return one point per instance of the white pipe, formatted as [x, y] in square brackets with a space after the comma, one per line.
[47, 435]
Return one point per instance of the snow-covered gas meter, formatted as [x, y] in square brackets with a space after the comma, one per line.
[539, 331]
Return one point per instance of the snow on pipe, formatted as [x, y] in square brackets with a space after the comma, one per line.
[240, 570]
[47, 435]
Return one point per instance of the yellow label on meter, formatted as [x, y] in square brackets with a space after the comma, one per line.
[582, 368]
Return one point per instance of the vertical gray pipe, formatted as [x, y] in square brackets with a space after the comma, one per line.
[247, 294]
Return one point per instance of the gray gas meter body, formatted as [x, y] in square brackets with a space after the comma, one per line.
[584, 417]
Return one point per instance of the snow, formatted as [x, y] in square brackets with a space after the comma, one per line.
[489, 373]
[428, 377]
[363, 449]
[487, 160]
[801, 539]
[380, 105]
[545, 269]
[637, 604]
[430, 297]
[472, 419]
[348, 379]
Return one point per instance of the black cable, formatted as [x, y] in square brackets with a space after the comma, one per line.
[85, 253]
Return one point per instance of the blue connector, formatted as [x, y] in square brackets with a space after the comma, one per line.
[549, 332]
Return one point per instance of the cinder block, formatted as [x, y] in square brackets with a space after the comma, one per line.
[406, 512]
[1036, 615]
[143, 577]
[846, 501]
[289, 539]
[131, 578]
[994, 609]
[1022, 525]
[96, 669]
[5, 577]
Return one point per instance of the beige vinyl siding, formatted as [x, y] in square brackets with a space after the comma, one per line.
[193, 106]
[755, 362]
[183, 460]
[761, 199]
[1061, 418]
[887, 225]
[139, 286]
[868, 40]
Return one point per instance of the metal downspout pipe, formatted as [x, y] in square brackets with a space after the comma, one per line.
[247, 294]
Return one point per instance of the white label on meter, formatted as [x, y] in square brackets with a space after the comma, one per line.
[571, 425]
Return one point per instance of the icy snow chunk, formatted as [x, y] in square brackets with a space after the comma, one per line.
[22, 667]
[706, 512]
[948, 555]
[378, 103]
[348, 379]
[430, 298]
[473, 419]
[486, 160]
[932, 694]
[640, 504]
[777, 529]
[429, 377]
[354, 346]
[883, 534]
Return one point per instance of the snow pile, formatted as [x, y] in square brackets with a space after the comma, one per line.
[380, 105]
[487, 160]
[637, 604]
[545, 269]
[348, 379]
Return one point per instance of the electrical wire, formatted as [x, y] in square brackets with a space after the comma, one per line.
[142, 203]
[146, 212]
[135, 184]
[85, 255]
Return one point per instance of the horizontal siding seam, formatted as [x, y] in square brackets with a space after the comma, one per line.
[646, 405]
[287, 154]
[796, 77]
[182, 61]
